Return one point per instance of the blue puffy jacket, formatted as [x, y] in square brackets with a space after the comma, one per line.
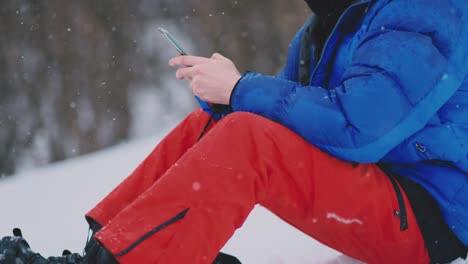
[393, 90]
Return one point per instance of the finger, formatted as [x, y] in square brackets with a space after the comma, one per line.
[188, 77]
[197, 84]
[187, 72]
[194, 85]
[217, 56]
[17, 232]
[187, 60]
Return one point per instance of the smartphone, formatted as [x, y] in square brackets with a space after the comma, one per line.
[173, 40]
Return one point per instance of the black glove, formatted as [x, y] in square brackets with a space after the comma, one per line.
[16, 250]
[8, 249]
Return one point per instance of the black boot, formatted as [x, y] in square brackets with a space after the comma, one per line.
[14, 250]
[93, 253]
[223, 258]
[66, 258]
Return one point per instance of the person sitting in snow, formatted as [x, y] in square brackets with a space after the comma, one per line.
[361, 142]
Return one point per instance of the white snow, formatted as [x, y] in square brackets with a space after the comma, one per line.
[196, 186]
[343, 220]
[48, 204]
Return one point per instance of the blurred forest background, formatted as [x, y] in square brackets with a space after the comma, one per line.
[78, 76]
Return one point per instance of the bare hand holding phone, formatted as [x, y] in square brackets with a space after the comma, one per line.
[211, 79]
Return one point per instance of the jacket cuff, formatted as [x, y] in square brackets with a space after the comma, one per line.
[235, 87]
[234, 91]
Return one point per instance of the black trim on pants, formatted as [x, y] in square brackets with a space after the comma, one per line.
[171, 221]
[401, 205]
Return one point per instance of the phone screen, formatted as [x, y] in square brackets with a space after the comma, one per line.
[173, 40]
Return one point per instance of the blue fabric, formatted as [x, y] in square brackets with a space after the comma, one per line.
[218, 113]
[393, 90]
[204, 105]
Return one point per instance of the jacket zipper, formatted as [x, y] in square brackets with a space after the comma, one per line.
[325, 46]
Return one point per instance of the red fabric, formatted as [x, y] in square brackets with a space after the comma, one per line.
[242, 161]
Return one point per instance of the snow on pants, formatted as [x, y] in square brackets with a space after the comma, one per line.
[186, 199]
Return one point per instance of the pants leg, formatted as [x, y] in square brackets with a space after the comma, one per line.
[194, 208]
[166, 153]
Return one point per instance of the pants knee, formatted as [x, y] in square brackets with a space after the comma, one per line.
[243, 120]
[198, 113]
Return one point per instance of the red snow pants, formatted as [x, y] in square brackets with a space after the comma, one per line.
[186, 199]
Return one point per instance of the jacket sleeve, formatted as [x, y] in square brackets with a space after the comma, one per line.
[389, 92]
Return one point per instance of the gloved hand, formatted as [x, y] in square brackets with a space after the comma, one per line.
[15, 249]
[8, 249]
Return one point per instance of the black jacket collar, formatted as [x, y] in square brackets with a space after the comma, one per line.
[327, 8]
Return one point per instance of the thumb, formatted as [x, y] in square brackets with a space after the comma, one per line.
[218, 56]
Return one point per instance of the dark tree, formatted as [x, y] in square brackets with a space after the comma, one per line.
[68, 69]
